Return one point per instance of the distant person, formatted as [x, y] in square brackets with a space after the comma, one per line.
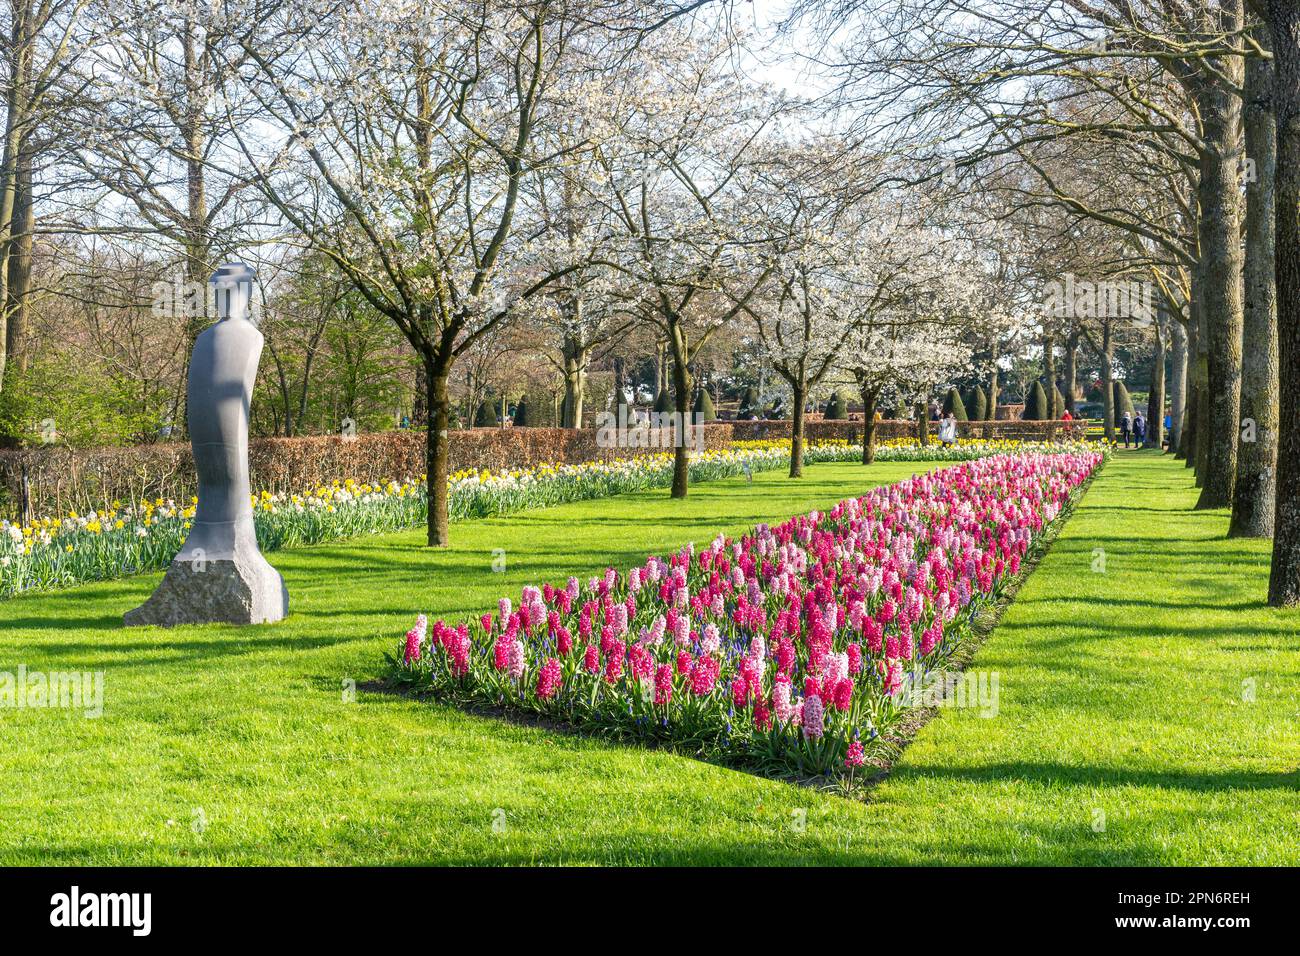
[1139, 430]
[948, 430]
[1126, 427]
[1067, 417]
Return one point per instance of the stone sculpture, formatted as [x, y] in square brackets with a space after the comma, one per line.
[220, 576]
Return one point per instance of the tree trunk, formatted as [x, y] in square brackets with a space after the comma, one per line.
[1177, 386]
[682, 383]
[798, 392]
[1049, 374]
[1156, 391]
[1196, 449]
[17, 103]
[1284, 577]
[198, 253]
[1219, 228]
[993, 381]
[20, 257]
[1107, 382]
[620, 383]
[1071, 373]
[420, 404]
[575, 382]
[923, 422]
[1253, 493]
[435, 448]
[870, 395]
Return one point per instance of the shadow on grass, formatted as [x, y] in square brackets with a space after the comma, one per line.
[1055, 774]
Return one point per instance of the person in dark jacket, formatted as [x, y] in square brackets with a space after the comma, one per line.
[1126, 427]
[1139, 430]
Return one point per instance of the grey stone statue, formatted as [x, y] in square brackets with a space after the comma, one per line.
[219, 574]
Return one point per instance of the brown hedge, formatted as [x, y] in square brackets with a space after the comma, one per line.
[80, 479]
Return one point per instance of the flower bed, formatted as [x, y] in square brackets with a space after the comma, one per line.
[61, 551]
[787, 650]
[910, 449]
[54, 551]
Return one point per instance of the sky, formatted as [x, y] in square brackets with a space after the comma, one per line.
[777, 61]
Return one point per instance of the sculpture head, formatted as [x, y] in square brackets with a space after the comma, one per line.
[233, 287]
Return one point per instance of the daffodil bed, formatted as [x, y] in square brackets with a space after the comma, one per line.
[60, 551]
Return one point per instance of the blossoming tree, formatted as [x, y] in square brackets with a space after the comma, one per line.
[396, 141]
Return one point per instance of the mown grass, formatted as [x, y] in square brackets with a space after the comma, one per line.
[1120, 691]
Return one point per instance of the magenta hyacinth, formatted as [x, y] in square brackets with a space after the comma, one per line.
[856, 755]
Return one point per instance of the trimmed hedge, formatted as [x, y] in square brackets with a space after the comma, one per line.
[1123, 401]
[749, 404]
[954, 406]
[1036, 407]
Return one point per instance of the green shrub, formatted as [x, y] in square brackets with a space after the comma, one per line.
[977, 405]
[1123, 401]
[704, 406]
[486, 417]
[749, 403]
[836, 409]
[521, 413]
[1036, 409]
[954, 406]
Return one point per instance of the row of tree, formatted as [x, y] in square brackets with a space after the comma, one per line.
[425, 185]
[1165, 135]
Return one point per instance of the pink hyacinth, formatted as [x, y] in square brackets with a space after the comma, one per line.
[548, 679]
[614, 662]
[515, 661]
[843, 694]
[663, 684]
[412, 646]
[855, 756]
[704, 676]
[781, 703]
[739, 693]
[812, 717]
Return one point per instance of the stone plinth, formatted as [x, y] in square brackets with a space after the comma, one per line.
[246, 590]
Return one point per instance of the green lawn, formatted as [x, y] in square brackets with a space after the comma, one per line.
[1120, 692]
